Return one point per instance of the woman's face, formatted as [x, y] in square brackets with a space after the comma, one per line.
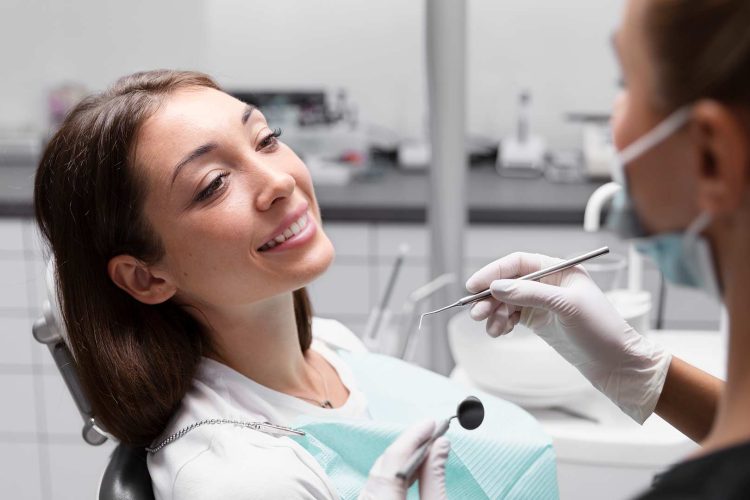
[233, 207]
[663, 181]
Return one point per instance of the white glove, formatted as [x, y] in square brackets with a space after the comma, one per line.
[382, 483]
[572, 315]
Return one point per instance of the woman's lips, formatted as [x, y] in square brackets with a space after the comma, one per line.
[286, 223]
[298, 233]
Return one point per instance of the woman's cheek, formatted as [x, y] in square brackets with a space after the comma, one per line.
[304, 183]
[619, 120]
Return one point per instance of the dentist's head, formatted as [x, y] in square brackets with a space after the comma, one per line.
[682, 125]
[169, 206]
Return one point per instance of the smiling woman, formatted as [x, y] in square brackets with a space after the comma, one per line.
[149, 261]
[184, 233]
[219, 187]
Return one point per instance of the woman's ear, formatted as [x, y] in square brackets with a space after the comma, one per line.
[725, 158]
[138, 279]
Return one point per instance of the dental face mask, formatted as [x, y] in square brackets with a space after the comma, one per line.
[684, 258]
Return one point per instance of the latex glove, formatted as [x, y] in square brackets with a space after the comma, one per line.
[382, 483]
[572, 315]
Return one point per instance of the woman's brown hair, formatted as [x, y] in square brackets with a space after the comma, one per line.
[701, 49]
[135, 361]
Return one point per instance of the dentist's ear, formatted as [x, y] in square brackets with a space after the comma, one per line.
[139, 280]
[725, 157]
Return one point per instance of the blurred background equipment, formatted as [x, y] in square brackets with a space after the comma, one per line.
[324, 130]
[19, 147]
[597, 146]
[523, 153]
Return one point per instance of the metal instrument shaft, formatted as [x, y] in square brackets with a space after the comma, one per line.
[470, 299]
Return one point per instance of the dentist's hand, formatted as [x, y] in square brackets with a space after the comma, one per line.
[382, 484]
[572, 315]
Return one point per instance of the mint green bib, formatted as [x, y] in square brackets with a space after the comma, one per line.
[508, 456]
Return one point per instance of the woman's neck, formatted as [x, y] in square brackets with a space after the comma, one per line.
[733, 414]
[261, 341]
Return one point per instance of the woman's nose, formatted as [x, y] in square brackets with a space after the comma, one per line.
[276, 185]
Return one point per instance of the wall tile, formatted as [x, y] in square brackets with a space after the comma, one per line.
[390, 237]
[33, 239]
[11, 236]
[42, 358]
[344, 288]
[60, 412]
[411, 277]
[13, 287]
[20, 477]
[36, 270]
[18, 397]
[77, 468]
[16, 341]
[349, 240]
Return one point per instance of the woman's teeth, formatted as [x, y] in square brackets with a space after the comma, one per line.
[295, 228]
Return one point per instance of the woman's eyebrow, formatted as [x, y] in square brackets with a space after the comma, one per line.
[246, 114]
[207, 148]
[193, 155]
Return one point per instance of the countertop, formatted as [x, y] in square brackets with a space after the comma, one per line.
[392, 195]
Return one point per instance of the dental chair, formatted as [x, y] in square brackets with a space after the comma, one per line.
[126, 476]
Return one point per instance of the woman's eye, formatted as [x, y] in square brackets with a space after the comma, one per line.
[269, 140]
[216, 184]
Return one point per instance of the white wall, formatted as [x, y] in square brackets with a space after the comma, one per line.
[560, 49]
[375, 48]
[47, 42]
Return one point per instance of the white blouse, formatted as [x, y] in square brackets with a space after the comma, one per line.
[232, 462]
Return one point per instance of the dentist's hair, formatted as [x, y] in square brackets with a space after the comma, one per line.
[701, 49]
[135, 361]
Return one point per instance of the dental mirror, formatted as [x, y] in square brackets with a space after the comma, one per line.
[469, 413]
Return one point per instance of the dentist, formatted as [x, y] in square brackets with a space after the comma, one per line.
[682, 126]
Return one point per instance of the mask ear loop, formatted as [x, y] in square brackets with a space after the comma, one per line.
[703, 258]
[655, 136]
[694, 230]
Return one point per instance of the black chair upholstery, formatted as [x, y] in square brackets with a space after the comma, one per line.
[126, 476]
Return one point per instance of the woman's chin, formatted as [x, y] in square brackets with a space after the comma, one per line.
[316, 263]
[307, 266]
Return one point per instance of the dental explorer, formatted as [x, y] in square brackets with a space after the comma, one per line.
[470, 414]
[470, 299]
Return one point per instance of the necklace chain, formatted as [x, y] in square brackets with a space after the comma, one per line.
[261, 426]
[326, 403]
[266, 427]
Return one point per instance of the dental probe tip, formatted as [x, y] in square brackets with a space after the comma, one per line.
[455, 304]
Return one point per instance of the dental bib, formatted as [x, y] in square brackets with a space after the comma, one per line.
[508, 456]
